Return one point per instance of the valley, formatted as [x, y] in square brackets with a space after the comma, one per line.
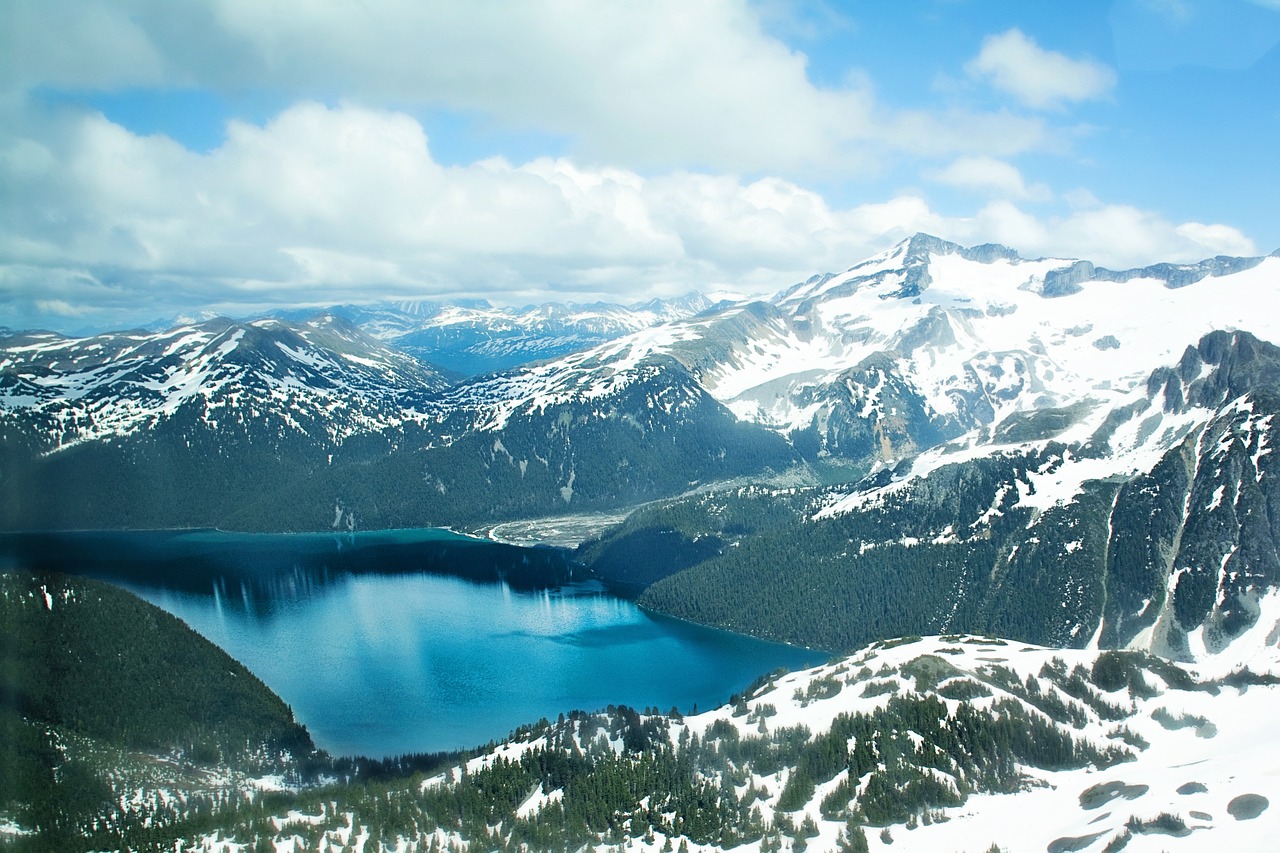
[1060, 476]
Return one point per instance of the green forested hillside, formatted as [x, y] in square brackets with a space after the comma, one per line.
[87, 671]
[972, 546]
[651, 438]
[95, 660]
[840, 582]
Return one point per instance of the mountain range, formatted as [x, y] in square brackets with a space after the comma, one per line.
[468, 337]
[940, 441]
[937, 439]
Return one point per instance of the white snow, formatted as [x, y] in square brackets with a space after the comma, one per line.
[1229, 763]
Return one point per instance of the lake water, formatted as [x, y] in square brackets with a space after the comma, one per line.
[381, 649]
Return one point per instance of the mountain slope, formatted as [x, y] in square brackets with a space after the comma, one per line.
[1150, 525]
[110, 706]
[500, 447]
[941, 743]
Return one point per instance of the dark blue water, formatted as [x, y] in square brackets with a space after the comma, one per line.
[381, 649]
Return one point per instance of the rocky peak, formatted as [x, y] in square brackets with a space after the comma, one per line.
[1220, 368]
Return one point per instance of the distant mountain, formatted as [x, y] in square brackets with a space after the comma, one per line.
[284, 426]
[145, 429]
[927, 349]
[472, 337]
[322, 375]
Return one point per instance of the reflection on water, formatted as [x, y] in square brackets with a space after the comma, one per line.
[379, 650]
[259, 572]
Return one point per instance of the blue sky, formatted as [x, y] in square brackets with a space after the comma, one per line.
[158, 158]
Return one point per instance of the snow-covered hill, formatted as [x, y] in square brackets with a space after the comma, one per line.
[1182, 768]
[1189, 745]
[322, 375]
[954, 743]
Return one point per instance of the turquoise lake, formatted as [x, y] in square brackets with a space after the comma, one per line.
[381, 648]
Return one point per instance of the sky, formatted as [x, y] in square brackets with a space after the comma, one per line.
[232, 156]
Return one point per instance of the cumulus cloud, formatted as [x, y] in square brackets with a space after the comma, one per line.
[987, 174]
[654, 85]
[1043, 79]
[715, 129]
[332, 204]
[327, 204]
[1217, 239]
[1113, 235]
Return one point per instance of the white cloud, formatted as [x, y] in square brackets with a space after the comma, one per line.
[987, 174]
[1012, 62]
[1112, 235]
[1217, 239]
[62, 308]
[656, 85]
[325, 205]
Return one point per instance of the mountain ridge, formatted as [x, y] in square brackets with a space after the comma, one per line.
[977, 445]
[851, 370]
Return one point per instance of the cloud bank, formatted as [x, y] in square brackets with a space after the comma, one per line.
[328, 204]
[695, 152]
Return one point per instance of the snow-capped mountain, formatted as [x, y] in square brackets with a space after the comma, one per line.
[929, 340]
[320, 375]
[925, 355]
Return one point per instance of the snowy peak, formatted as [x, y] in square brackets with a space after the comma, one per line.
[981, 335]
[908, 269]
[902, 272]
[115, 384]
